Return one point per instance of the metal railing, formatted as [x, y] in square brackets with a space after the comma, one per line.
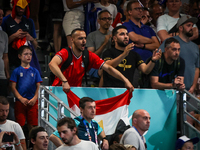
[43, 111]
[187, 128]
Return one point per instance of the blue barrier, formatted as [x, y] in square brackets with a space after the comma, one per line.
[160, 104]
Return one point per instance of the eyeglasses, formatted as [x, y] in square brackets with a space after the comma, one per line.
[104, 19]
[139, 8]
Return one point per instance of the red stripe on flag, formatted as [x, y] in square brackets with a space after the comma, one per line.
[107, 105]
[117, 20]
[103, 106]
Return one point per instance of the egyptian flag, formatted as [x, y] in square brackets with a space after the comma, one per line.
[108, 111]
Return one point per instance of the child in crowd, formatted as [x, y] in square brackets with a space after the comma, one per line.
[25, 82]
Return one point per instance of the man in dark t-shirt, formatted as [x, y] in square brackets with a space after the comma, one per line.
[124, 60]
[169, 71]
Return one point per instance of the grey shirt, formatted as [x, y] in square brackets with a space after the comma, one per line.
[95, 39]
[3, 49]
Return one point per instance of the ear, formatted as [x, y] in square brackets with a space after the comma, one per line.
[98, 20]
[33, 141]
[81, 110]
[74, 130]
[19, 56]
[180, 28]
[134, 121]
[114, 38]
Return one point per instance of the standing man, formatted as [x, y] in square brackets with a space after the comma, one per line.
[89, 129]
[73, 74]
[124, 59]
[134, 136]
[8, 125]
[168, 72]
[39, 138]
[68, 132]
[189, 51]
[4, 62]
[18, 27]
[166, 24]
[142, 35]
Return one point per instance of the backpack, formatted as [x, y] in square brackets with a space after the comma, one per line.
[85, 57]
[144, 80]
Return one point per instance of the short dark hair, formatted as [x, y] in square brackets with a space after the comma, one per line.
[3, 100]
[84, 100]
[103, 11]
[130, 4]
[33, 134]
[117, 146]
[66, 120]
[170, 40]
[115, 30]
[77, 29]
[22, 48]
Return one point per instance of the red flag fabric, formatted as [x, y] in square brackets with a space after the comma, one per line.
[117, 20]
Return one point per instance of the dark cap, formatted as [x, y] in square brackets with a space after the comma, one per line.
[185, 19]
[183, 139]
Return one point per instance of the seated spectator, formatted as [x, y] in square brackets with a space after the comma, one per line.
[166, 24]
[155, 11]
[134, 136]
[4, 62]
[88, 129]
[184, 143]
[11, 126]
[104, 4]
[15, 141]
[38, 139]
[25, 83]
[124, 59]
[146, 17]
[68, 132]
[168, 72]
[117, 146]
[129, 147]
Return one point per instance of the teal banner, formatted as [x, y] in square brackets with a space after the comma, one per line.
[160, 104]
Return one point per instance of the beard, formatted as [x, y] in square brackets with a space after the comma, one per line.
[121, 44]
[2, 119]
[188, 34]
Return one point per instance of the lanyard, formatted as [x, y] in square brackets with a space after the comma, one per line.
[145, 145]
[88, 131]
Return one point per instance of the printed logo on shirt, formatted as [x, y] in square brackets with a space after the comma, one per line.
[27, 26]
[86, 134]
[71, 63]
[82, 64]
[31, 74]
[21, 74]
[12, 26]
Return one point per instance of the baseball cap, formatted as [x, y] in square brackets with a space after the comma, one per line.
[185, 19]
[183, 139]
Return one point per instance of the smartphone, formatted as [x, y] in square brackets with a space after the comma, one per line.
[7, 138]
[25, 30]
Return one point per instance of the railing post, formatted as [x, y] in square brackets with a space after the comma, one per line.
[181, 113]
[39, 105]
[59, 110]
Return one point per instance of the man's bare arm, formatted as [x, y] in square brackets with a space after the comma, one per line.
[6, 65]
[196, 76]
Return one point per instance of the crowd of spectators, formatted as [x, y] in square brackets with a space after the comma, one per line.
[121, 43]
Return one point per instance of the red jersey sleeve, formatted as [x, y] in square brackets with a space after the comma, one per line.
[63, 54]
[95, 61]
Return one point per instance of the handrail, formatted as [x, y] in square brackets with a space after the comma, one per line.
[58, 100]
[192, 95]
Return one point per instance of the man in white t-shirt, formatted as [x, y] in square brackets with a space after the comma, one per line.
[167, 21]
[8, 125]
[68, 132]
